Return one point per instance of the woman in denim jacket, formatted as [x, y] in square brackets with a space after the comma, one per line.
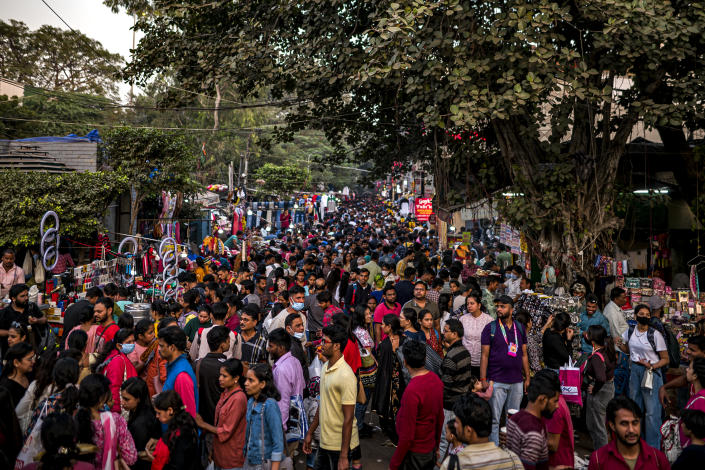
[264, 439]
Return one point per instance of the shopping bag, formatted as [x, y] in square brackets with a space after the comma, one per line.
[314, 370]
[647, 380]
[571, 381]
[33, 444]
[670, 438]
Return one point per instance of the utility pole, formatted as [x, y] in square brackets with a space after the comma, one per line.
[247, 156]
[132, 82]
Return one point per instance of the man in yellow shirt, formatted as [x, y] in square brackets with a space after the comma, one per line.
[336, 412]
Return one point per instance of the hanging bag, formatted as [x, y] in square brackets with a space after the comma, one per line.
[571, 383]
[33, 444]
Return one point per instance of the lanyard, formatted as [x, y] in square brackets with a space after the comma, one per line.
[504, 333]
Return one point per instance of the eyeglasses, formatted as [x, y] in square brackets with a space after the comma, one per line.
[327, 341]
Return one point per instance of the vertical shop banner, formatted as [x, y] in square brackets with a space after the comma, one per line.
[423, 207]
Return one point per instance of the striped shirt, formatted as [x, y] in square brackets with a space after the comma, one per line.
[526, 436]
[485, 456]
[455, 374]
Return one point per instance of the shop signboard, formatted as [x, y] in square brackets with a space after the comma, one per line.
[467, 238]
[423, 208]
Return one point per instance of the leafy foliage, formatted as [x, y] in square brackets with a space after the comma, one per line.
[554, 87]
[41, 113]
[79, 199]
[153, 161]
[280, 179]
[56, 59]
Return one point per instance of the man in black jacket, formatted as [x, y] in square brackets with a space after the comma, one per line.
[208, 372]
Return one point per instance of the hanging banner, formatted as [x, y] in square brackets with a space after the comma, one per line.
[423, 208]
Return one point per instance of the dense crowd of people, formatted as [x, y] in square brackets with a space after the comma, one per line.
[298, 347]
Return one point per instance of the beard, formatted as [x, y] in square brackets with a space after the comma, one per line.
[22, 305]
[547, 414]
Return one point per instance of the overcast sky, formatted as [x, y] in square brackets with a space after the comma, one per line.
[90, 17]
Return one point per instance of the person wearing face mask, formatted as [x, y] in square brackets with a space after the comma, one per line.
[295, 327]
[647, 351]
[512, 286]
[287, 371]
[297, 297]
[526, 431]
[115, 365]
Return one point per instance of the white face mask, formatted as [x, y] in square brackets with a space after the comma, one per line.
[384, 273]
[298, 335]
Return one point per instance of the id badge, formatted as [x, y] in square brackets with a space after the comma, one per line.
[512, 350]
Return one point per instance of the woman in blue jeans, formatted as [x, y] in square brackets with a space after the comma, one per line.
[647, 352]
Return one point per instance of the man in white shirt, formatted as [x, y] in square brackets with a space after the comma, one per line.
[512, 286]
[613, 313]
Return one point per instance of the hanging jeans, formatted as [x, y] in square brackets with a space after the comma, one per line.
[595, 412]
[648, 401]
[504, 397]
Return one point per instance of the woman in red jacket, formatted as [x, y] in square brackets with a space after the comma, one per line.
[115, 365]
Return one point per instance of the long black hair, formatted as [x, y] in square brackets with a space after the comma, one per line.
[413, 317]
[234, 368]
[15, 353]
[392, 321]
[119, 338]
[598, 335]
[359, 317]
[44, 373]
[65, 377]
[137, 387]
[181, 424]
[9, 425]
[59, 435]
[95, 388]
[264, 374]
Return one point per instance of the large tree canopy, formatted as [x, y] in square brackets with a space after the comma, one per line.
[552, 88]
[152, 160]
[57, 60]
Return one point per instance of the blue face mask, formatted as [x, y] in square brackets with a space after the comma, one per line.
[298, 306]
[128, 348]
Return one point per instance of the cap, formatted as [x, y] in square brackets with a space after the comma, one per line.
[656, 303]
[504, 299]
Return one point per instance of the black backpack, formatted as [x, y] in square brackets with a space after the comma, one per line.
[672, 346]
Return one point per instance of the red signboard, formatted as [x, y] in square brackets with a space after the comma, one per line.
[423, 208]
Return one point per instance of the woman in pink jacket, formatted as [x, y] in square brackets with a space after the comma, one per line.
[115, 365]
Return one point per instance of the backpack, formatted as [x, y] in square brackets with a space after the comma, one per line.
[672, 345]
[652, 342]
[493, 328]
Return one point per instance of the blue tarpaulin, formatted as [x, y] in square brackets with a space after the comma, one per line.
[92, 136]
